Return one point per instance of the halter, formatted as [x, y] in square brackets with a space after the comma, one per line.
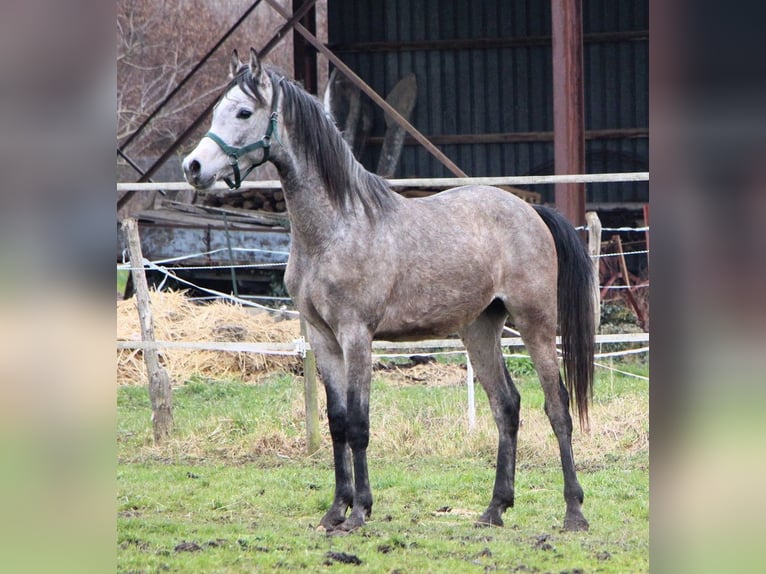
[235, 153]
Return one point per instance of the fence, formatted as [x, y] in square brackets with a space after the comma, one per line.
[382, 349]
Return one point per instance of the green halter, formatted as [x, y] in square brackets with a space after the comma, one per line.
[235, 153]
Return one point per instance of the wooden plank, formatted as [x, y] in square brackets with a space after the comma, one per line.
[422, 182]
[402, 99]
[414, 346]
[249, 216]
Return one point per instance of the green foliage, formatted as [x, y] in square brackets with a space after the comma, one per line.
[520, 367]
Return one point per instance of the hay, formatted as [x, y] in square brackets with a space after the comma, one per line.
[176, 318]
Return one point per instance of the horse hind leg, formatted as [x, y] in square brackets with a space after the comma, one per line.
[538, 331]
[482, 341]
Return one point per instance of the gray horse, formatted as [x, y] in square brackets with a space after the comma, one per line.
[366, 263]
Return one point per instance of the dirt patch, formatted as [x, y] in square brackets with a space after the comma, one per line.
[421, 372]
[187, 547]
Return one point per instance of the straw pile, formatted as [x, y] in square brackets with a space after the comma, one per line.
[176, 318]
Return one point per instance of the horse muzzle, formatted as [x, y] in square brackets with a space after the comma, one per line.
[194, 173]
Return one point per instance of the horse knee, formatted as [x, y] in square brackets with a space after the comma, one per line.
[337, 419]
[358, 433]
[511, 410]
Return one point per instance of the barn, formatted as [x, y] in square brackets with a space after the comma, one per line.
[493, 88]
[485, 92]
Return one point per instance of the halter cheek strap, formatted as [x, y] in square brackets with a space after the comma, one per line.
[235, 153]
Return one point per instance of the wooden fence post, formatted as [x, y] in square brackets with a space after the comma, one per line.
[160, 392]
[594, 248]
[310, 397]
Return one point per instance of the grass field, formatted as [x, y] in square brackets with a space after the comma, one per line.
[234, 490]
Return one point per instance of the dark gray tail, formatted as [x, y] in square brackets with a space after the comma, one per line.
[575, 308]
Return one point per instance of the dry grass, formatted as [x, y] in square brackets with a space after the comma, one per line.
[178, 319]
[620, 426]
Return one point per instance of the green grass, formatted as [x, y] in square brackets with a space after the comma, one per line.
[122, 280]
[233, 491]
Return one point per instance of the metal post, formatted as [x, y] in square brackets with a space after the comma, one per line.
[568, 123]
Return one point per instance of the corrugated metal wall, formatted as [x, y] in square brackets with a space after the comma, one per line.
[484, 67]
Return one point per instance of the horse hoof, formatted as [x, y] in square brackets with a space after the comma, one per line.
[331, 521]
[486, 521]
[576, 523]
[353, 522]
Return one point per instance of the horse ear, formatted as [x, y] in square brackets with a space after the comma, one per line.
[255, 65]
[234, 64]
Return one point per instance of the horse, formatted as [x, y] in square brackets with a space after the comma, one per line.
[366, 263]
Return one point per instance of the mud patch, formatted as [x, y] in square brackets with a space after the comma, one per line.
[342, 558]
[542, 542]
[188, 547]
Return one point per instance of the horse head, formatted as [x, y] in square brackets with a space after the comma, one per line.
[247, 110]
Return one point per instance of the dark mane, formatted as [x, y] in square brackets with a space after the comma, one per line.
[320, 143]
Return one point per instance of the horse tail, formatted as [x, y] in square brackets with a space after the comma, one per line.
[576, 309]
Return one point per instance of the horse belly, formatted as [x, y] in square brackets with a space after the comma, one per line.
[435, 316]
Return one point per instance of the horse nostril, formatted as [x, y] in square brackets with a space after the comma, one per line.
[194, 167]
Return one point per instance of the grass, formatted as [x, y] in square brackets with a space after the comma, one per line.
[122, 280]
[234, 491]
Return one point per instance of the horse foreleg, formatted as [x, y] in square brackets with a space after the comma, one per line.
[357, 355]
[332, 371]
[344, 487]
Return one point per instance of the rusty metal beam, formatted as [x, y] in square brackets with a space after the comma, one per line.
[374, 96]
[568, 123]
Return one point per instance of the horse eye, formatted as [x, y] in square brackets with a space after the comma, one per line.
[244, 114]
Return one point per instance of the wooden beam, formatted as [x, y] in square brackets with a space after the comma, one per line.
[568, 109]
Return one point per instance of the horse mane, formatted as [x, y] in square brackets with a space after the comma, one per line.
[321, 144]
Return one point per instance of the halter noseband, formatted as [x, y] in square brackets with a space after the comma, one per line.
[235, 153]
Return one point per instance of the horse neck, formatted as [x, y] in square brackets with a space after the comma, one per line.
[313, 217]
[322, 203]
